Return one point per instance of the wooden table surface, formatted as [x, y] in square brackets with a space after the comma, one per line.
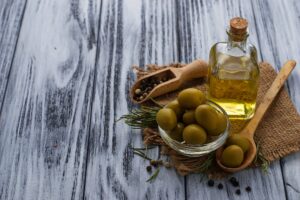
[65, 71]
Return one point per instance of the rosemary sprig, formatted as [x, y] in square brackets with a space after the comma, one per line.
[265, 165]
[141, 154]
[207, 163]
[143, 117]
[261, 161]
[154, 176]
[143, 148]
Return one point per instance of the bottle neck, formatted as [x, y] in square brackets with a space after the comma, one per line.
[237, 40]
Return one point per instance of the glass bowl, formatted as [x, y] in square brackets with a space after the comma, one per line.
[192, 150]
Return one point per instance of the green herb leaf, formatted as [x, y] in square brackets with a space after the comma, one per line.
[207, 163]
[261, 161]
[143, 117]
[141, 154]
[143, 148]
[154, 176]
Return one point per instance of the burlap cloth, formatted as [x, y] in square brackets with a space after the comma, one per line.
[277, 135]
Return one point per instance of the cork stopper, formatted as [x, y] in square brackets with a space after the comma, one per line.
[238, 26]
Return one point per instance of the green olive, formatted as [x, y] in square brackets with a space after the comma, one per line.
[239, 140]
[174, 105]
[166, 119]
[191, 98]
[207, 117]
[232, 156]
[194, 134]
[176, 133]
[189, 117]
[221, 125]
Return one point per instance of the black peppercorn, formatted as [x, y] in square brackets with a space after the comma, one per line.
[232, 179]
[234, 182]
[238, 191]
[248, 189]
[147, 86]
[220, 186]
[210, 183]
[149, 168]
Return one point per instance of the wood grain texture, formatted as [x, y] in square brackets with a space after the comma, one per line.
[11, 14]
[45, 119]
[278, 26]
[264, 186]
[69, 81]
[131, 32]
[201, 25]
[291, 174]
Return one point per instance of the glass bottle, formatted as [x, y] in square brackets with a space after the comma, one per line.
[233, 72]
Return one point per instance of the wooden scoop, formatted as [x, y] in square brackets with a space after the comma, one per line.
[249, 130]
[196, 69]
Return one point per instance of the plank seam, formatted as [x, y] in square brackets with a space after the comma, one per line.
[257, 35]
[177, 32]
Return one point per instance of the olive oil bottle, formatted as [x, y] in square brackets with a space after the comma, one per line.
[233, 72]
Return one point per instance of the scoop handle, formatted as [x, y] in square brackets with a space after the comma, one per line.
[270, 95]
[196, 69]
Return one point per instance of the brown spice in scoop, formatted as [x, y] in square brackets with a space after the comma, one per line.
[149, 83]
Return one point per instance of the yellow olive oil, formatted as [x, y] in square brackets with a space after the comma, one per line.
[233, 75]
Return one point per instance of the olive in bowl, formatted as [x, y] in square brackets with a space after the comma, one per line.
[194, 138]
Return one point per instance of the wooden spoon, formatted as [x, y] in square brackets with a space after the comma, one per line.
[196, 69]
[249, 130]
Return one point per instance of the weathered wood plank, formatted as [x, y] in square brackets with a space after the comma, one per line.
[202, 24]
[291, 173]
[131, 32]
[11, 14]
[45, 119]
[264, 186]
[278, 25]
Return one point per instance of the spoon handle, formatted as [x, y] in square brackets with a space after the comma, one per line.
[270, 95]
[196, 69]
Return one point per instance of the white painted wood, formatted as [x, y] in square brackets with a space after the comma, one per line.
[45, 118]
[202, 24]
[291, 174]
[11, 13]
[47, 141]
[278, 25]
[131, 32]
[264, 186]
